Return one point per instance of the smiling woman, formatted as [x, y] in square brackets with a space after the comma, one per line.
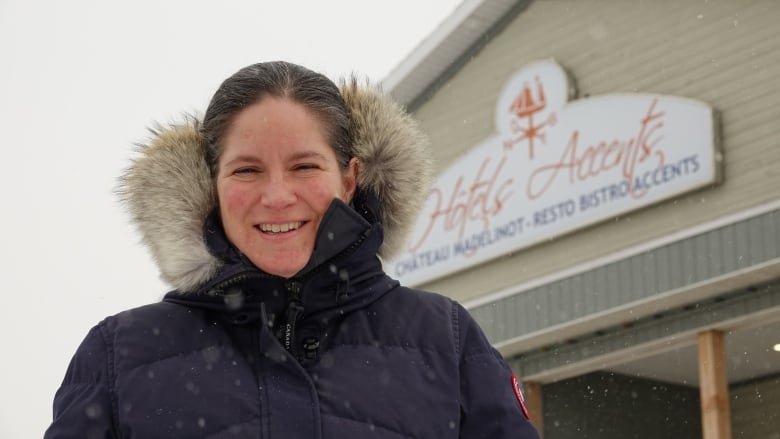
[276, 178]
[268, 219]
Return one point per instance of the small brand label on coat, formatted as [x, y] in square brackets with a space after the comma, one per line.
[519, 395]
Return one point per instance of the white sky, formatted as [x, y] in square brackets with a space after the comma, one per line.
[79, 83]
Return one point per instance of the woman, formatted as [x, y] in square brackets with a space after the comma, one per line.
[267, 218]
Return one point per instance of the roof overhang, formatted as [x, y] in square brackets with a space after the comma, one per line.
[450, 41]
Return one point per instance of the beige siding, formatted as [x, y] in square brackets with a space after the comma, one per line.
[726, 53]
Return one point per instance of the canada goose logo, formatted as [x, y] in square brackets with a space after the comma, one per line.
[519, 395]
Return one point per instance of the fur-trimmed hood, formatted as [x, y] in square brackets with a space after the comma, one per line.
[169, 192]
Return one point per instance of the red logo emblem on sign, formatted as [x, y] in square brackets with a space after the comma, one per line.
[519, 395]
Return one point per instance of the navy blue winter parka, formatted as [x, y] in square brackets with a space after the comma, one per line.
[340, 350]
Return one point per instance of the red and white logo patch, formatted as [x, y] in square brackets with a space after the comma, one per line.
[519, 395]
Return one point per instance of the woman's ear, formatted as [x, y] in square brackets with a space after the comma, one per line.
[350, 179]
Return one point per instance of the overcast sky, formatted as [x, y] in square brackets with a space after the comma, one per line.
[79, 83]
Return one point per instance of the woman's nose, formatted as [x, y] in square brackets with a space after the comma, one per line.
[278, 193]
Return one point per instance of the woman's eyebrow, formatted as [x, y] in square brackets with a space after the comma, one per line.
[307, 155]
[244, 158]
[301, 155]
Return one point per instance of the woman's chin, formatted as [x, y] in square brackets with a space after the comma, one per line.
[281, 266]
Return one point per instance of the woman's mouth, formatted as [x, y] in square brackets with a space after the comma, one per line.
[279, 227]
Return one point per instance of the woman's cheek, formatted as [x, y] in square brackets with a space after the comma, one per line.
[233, 199]
[325, 193]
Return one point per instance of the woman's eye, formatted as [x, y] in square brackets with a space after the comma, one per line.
[245, 171]
[305, 166]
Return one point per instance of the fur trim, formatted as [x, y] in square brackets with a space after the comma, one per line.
[169, 193]
[394, 160]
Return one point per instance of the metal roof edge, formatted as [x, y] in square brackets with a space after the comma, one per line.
[450, 41]
[430, 44]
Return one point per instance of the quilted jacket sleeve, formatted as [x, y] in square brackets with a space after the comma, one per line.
[489, 405]
[82, 405]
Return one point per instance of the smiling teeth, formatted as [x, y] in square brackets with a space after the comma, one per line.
[280, 228]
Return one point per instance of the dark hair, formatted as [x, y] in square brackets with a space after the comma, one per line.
[278, 79]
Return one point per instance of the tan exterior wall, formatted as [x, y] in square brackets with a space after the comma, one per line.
[723, 52]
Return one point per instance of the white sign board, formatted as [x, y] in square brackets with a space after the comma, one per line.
[555, 166]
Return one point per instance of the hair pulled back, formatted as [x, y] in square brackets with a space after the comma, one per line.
[278, 79]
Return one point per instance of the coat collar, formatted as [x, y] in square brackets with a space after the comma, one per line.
[336, 279]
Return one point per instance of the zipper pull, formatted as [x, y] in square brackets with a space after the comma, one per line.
[310, 347]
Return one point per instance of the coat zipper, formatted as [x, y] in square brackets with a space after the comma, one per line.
[294, 287]
[295, 306]
[294, 312]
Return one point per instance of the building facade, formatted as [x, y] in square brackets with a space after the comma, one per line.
[658, 310]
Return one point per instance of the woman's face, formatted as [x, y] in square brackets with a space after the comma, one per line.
[276, 177]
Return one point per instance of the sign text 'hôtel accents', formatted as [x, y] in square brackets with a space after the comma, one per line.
[555, 166]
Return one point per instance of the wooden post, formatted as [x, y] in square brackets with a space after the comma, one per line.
[714, 386]
[533, 399]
